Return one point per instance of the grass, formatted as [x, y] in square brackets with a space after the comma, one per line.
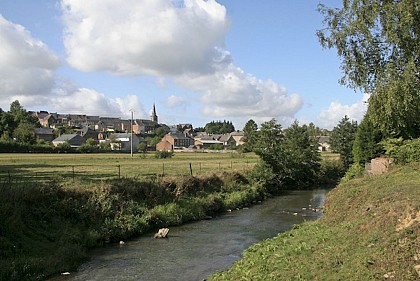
[111, 165]
[370, 231]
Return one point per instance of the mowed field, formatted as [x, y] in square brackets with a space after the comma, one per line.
[22, 167]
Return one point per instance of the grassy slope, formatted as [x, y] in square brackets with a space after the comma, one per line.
[370, 231]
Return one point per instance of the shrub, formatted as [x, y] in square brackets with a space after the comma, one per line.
[164, 154]
[403, 152]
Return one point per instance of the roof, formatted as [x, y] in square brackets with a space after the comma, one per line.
[324, 139]
[179, 136]
[43, 131]
[67, 137]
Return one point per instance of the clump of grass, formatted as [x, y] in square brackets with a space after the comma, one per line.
[370, 231]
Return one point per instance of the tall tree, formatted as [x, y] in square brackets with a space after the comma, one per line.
[342, 138]
[378, 42]
[303, 159]
[250, 135]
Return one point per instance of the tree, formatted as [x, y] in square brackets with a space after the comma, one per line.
[378, 41]
[219, 127]
[250, 135]
[342, 138]
[302, 156]
[25, 133]
[366, 143]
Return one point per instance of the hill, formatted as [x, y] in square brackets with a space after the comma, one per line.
[370, 231]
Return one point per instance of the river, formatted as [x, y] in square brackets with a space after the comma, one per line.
[196, 250]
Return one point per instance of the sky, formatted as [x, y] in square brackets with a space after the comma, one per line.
[196, 60]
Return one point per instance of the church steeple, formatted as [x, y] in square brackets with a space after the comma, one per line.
[153, 115]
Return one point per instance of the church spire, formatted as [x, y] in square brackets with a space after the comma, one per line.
[153, 115]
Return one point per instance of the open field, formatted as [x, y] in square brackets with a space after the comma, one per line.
[21, 167]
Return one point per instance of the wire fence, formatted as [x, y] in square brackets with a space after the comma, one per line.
[72, 173]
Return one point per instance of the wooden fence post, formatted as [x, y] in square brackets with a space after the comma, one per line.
[119, 171]
[191, 172]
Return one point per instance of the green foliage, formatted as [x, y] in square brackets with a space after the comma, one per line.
[89, 147]
[354, 171]
[219, 127]
[342, 138]
[379, 46]
[366, 143]
[290, 161]
[373, 39]
[164, 154]
[403, 152]
[216, 146]
[330, 172]
[250, 135]
[161, 132]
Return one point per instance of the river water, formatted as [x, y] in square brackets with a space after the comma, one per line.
[196, 250]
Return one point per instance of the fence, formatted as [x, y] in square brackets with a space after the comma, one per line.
[43, 173]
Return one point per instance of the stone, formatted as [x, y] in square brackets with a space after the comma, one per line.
[162, 233]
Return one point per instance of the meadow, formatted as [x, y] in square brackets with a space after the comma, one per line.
[91, 167]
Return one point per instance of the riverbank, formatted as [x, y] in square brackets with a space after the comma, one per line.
[48, 228]
[370, 231]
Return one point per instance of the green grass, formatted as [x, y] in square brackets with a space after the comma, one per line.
[370, 231]
[111, 165]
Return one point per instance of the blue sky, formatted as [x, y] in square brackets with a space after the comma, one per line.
[197, 60]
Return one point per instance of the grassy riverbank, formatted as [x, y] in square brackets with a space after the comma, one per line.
[48, 228]
[370, 231]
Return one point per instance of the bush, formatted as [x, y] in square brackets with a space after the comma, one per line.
[403, 152]
[164, 154]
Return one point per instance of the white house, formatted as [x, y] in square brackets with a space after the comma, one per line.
[122, 141]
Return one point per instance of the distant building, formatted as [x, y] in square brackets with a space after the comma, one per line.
[74, 140]
[45, 134]
[173, 141]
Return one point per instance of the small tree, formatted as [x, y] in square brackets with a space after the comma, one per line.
[342, 138]
[25, 133]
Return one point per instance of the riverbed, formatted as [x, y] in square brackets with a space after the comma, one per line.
[196, 250]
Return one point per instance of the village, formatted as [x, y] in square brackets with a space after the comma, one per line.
[126, 135]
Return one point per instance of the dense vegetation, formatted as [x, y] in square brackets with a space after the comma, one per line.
[378, 42]
[369, 231]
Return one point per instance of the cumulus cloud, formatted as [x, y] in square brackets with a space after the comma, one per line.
[182, 40]
[159, 37]
[91, 102]
[231, 92]
[27, 66]
[329, 118]
[28, 74]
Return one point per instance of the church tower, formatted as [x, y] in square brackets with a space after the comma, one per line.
[153, 116]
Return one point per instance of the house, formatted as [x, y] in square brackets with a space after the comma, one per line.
[142, 126]
[45, 134]
[206, 143]
[173, 141]
[324, 143]
[108, 124]
[74, 140]
[238, 138]
[122, 141]
[88, 133]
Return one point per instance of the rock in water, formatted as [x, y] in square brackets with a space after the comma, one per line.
[162, 233]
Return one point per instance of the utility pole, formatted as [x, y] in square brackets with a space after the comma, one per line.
[131, 138]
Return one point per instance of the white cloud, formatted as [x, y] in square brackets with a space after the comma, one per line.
[88, 101]
[176, 101]
[329, 118]
[182, 40]
[134, 37]
[27, 66]
[231, 92]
